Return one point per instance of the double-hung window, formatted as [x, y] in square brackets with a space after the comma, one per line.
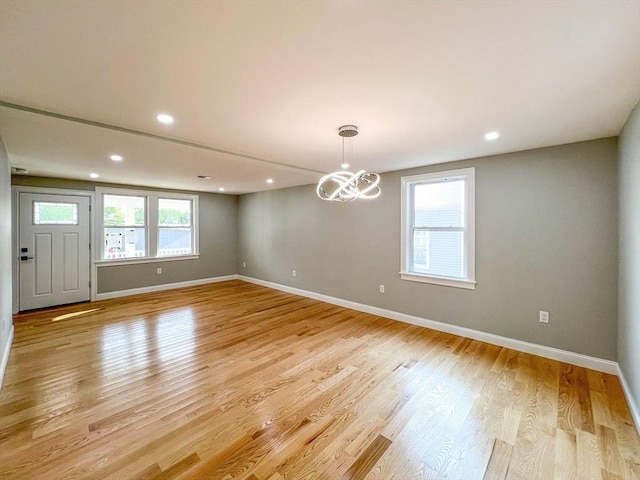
[438, 228]
[144, 225]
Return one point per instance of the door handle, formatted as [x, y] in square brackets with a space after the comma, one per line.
[24, 257]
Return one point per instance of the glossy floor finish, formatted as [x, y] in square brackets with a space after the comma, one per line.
[237, 381]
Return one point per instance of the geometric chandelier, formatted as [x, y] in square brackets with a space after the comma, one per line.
[344, 186]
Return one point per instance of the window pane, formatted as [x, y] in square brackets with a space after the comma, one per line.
[438, 253]
[121, 210]
[55, 213]
[439, 204]
[174, 241]
[124, 242]
[174, 212]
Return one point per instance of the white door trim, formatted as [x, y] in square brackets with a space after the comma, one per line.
[16, 190]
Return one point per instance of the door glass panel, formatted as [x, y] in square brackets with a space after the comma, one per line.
[55, 213]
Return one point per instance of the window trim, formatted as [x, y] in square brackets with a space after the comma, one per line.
[469, 263]
[151, 225]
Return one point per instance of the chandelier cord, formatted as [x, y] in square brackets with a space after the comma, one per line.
[343, 150]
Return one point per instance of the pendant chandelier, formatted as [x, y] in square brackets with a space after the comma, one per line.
[345, 186]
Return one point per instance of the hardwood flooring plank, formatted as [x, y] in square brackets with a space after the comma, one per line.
[609, 453]
[566, 455]
[584, 397]
[568, 400]
[588, 456]
[628, 442]
[367, 459]
[498, 465]
[177, 468]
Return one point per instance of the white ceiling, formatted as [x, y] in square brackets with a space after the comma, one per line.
[273, 80]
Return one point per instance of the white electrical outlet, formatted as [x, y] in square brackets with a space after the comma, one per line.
[381, 288]
[293, 273]
[544, 317]
[244, 264]
[159, 271]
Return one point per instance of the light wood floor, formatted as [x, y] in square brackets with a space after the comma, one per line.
[237, 381]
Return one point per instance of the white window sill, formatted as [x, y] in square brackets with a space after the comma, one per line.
[133, 261]
[447, 282]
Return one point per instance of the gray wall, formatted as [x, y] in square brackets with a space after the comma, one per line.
[218, 242]
[546, 239]
[629, 270]
[6, 323]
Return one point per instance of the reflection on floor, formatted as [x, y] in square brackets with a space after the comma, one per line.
[74, 314]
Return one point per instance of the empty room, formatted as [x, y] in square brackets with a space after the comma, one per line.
[319, 239]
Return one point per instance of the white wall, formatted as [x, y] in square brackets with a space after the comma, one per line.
[629, 256]
[6, 323]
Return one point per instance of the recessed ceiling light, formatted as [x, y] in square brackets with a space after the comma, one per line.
[204, 177]
[221, 189]
[269, 180]
[94, 175]
[345, 166]
[492, 135]
[116, 158]
[165, 118]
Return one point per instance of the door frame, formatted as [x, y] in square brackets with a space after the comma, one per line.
[16, 190]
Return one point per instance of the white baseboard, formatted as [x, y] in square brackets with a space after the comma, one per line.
[634, 407]
[594, 363]
[4, 359]
[165, 286]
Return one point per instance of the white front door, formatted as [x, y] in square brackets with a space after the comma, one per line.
[53, 249]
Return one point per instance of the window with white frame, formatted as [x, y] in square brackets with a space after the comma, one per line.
[142, 225]
[438, 228]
